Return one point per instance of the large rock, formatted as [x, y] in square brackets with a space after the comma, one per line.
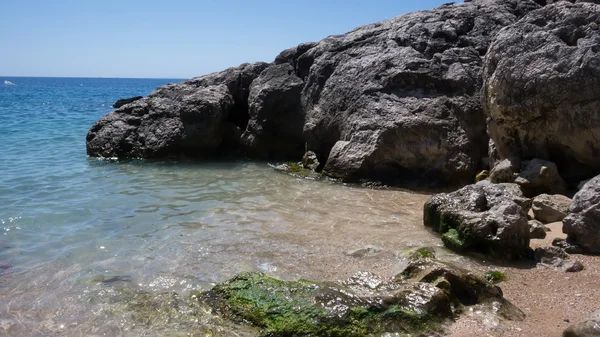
[550, 208]
[541, 85]
[400, 99]
[582, 224]
[540, 176]
[586, 328]
[276, 117]
[194, 118]
[484, 217]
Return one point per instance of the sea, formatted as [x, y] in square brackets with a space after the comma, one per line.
[84, 241]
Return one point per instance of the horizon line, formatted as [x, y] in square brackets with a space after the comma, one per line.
[103, 77]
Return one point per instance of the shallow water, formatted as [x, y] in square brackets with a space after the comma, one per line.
[76, 231]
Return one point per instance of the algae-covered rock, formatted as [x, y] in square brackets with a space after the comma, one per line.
[297, 170]
[419, 300]
[484, 217]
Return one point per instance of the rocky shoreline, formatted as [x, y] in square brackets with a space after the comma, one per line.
[502, 92]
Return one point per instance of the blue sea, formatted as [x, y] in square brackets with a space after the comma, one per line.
[77, 233]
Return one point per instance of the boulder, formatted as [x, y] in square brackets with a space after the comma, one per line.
[582, 223]
[540, 176]
[541, 83]
[197, 117]
[399, 100]
[537, 230]
[119, 103]
[550, 208]
[276, 117]
[484, 217]
[589, 327]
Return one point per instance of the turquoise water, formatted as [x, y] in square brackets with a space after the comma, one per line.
[74, 230]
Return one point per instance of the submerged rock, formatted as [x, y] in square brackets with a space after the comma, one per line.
[541, 83]
[419, 300]
[582, 224]
[484, 217]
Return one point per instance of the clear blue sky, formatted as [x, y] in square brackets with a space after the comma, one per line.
[170, 38]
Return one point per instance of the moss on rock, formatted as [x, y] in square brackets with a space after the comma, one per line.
[303, 308]
[495, 276]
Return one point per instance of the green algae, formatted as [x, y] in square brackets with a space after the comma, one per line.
[303, 308]
[296, 169]
[454, 240]
[419, 253]
[495, 276]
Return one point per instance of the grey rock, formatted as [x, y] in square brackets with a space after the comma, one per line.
[540, 176]
[399, 100]
[573, 267]
[550, 208]
[119, 103]
[541, 84]
[552, 256]
[504, 171]
[566, 246]
[483, 217]
[276, 117]
[197, 117]
[537, 230]
[582, 224]
[589, 327]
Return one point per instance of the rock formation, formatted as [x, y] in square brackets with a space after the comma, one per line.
[483, 217]
[397, 100]
[541, 85]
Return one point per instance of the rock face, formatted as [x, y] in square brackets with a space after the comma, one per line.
[582, 224]
[483, 217]
[587, 328]
[415, 302]
[400, 98]
[123, 101]
[193, 118]
[276, 117]
[392, 101]
[550, 208]
[541, 84]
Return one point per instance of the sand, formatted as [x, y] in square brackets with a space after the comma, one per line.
[551, 298]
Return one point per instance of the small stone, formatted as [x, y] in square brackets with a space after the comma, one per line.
[573, 267]
[366, 251]
[537, 230]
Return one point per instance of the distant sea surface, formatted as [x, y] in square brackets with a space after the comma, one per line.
[77, 234]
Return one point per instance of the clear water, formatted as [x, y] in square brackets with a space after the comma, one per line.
[74, 230]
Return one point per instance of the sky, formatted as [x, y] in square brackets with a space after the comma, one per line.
[170, 38]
